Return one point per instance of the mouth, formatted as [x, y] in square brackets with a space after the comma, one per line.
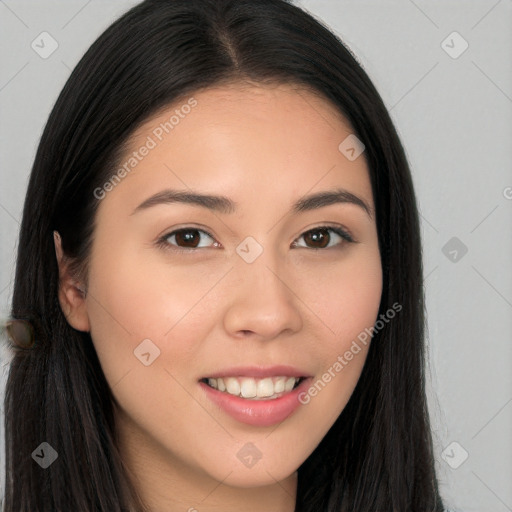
[266, 388]
[259, 396]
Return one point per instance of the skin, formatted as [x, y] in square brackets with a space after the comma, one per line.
[208, 309]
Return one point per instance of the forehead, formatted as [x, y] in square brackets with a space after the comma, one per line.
[238, 91]
[267, 140]
[264, 105]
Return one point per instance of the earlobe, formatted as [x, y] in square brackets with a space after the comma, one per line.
[72, 294]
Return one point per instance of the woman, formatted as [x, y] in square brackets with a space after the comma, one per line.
[219, 277]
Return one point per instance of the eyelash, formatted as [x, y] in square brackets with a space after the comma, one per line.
[163, 243]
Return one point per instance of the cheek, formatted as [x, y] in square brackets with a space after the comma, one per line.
[131, 300]
[345, 300]
[344, 295]
[157, 310]
[341, 300]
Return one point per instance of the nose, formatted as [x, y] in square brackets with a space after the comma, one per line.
[262, 304]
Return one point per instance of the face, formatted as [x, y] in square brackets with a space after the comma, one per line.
[250, 290]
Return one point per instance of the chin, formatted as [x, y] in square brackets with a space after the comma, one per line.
[254, 477]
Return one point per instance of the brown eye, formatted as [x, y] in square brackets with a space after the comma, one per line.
[190, 238]
[321, 238]
[187, 238]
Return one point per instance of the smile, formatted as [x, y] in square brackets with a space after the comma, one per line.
[267, 388]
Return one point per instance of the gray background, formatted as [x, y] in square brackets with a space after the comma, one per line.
[453, 113]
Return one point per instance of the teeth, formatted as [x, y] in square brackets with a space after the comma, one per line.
[288, 386]
[255, 389]
[266, 387]
[232, 386]
[279, 386]
[248, 388]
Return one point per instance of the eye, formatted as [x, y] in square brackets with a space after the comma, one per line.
[189, 238]
[185, 238]
[321, 239]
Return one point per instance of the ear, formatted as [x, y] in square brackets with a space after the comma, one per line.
[72, 295]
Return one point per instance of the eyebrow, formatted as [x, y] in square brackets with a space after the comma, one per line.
[223, 204]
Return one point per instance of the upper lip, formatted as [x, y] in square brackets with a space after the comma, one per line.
[259, 372]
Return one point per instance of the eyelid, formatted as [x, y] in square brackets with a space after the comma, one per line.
[336, 228]
[340, 230]
[162, 240]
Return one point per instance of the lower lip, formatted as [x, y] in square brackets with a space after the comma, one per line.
[260, 413]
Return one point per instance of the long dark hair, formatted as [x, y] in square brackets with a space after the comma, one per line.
[378, 455]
